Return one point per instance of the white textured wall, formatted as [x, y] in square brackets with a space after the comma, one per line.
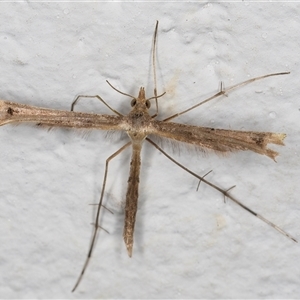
[187, 244]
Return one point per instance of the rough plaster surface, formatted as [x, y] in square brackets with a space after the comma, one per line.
[188, 244]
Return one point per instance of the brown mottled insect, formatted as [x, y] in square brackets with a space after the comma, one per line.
[138, 124]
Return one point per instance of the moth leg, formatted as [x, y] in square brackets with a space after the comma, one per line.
[224, 92]
[95, 96]
[201, 179]
[224, 192]
[96, 224]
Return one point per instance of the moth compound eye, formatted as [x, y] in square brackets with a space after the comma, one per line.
[148, 104]
[133, 102]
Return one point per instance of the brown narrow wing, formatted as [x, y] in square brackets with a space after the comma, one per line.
[11, 112]
[219, 139]
[132, 196]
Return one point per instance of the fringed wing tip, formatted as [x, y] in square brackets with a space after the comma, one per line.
[272, 154]
[3, 113]
[277, 139]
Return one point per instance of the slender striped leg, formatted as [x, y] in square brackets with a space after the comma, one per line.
[224, 192]
[96, 224]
